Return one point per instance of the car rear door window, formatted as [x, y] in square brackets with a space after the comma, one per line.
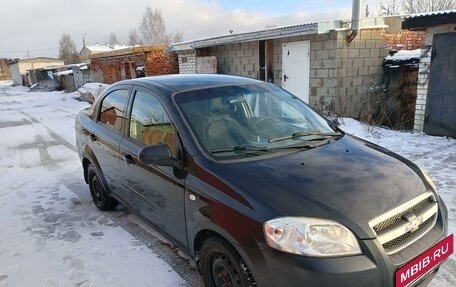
[112, 111]
[149, 122]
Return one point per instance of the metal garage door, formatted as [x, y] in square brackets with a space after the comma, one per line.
[441, 100]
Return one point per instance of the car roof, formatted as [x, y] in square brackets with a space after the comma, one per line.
[183, 82]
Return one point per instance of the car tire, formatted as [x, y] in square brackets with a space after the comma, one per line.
[220, 265]
[100, 197]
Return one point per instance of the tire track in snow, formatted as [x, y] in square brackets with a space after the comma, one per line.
[55, 136]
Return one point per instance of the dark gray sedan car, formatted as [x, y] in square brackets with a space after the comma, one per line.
[258, 188]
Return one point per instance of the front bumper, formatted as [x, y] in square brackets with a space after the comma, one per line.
[373, 268]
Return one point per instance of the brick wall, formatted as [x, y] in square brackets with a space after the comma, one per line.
[124, 66]
[159, 63]
[404, 40]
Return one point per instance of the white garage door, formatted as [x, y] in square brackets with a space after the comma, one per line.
[295, 68]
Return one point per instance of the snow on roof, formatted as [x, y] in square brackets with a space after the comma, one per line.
[81, 66]
[63, 73]
[105, 48]
[445, 12]
[404, 55]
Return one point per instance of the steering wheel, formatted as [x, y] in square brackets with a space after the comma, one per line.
[264, 121]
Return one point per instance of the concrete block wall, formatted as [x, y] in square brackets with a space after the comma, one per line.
[359, 66]
[338, 71]
[240, 59]
[187, 62]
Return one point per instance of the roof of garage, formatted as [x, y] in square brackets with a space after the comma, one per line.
[425, 20]
[271, 33]
[278, 32]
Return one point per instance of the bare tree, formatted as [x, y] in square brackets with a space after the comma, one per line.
[152, 28]
[367, 12]
[133, 37]
[112, 39]
[421, 6]
[390, 7]
[175, 38]
[67, 50]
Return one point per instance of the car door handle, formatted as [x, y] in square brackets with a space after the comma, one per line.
[129, 159]
[93, 137]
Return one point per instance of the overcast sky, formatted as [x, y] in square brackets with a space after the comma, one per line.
[33, 28]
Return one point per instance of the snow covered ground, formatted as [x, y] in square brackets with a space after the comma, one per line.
[52, 235]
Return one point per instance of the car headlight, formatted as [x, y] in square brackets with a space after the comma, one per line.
[310, 236]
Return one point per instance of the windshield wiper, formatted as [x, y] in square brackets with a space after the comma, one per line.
[303, 134]
[307, 144]
[239, 148]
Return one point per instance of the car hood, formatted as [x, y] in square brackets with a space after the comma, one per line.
[349, 180]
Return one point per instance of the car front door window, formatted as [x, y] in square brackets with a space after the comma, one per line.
[149, 123]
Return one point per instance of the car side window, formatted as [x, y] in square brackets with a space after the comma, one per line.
[149, 123]
[112, 111]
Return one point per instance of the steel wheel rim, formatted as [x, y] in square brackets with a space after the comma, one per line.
[96, 188]
[223, 272]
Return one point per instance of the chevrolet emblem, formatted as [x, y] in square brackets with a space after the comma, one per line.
[414, 222]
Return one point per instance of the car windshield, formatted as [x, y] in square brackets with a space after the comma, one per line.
[250, 120]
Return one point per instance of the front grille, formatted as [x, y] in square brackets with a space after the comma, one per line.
[405, 224]
[392, 245]
[398, 217]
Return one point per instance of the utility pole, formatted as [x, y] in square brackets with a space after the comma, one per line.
[83, 40]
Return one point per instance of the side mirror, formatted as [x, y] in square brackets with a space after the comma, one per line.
[156, 154]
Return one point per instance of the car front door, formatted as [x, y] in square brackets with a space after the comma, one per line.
[106, 133]
[155, 192]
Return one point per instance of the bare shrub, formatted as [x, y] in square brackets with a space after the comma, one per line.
[327, 108]
[383, 107]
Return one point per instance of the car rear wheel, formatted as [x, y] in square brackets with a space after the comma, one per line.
[100, 197]
[220, 265]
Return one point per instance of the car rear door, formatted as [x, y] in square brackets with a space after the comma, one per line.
[155, 192]
[106, 132]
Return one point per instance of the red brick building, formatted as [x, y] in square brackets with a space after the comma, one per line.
[404, 40]
[133, 62]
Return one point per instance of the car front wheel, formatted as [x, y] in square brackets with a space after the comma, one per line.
[220, 265]
[98, 191]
